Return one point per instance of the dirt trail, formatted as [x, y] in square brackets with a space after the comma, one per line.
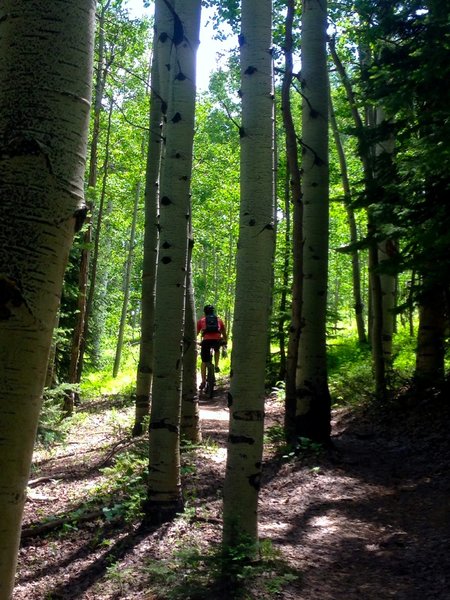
[369, 520]
[373, 520]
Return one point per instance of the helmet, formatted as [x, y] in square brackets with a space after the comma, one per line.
[209, 309]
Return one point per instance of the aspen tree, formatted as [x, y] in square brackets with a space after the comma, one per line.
[45, 87]
[164, 498]
[254, 278]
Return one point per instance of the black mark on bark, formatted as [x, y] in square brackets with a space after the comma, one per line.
[163, 425]
[249, 415]
[255, 481]
[80, 217]
[178, 31]
[10, 294]
[241, 439]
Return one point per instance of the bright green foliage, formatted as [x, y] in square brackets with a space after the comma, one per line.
[228, 11]
[127, 59]
[407, 77]
[215, 200]
[350, 371]
[100, 382]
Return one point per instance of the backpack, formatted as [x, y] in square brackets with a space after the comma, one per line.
[211, 324]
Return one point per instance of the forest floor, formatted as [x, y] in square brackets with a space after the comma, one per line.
[368, 520]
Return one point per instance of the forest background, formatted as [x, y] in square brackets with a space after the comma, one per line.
[216, 184]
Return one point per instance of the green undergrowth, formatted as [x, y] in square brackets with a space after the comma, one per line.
[119, 492]
[350, 370]
[200, 574]
[52, 427]
[101, 383]
[117, 495]
[350, 378]
[304, 449]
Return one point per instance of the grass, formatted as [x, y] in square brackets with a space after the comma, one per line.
[102, 383]
[404, 353]
[349, 371]
[349, 367]
[351, 379]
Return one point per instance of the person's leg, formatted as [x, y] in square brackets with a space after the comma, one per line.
[216, 359]
[206, 357]
[203, 374]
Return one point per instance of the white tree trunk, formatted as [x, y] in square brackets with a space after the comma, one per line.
[164, 488]
[254, 277]
[158, 105]
[386, 252]
[45, 78]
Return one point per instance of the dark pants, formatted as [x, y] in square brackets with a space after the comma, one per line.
[206, 346]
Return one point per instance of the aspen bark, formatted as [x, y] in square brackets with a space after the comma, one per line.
[164, 498]
[45, 86]
[254, 278]
[159, 79]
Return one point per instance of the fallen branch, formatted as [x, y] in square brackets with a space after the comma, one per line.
[117, 447]
[34, 482]
[43, 528]
[198, 519]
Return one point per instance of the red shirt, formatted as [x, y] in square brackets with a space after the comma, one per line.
[210, 335]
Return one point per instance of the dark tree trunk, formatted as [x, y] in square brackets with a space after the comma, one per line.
[297, 225]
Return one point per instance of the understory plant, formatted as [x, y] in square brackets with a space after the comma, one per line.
[197, 574]
[52, 426]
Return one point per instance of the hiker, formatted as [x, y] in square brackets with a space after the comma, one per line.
[214, 335]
